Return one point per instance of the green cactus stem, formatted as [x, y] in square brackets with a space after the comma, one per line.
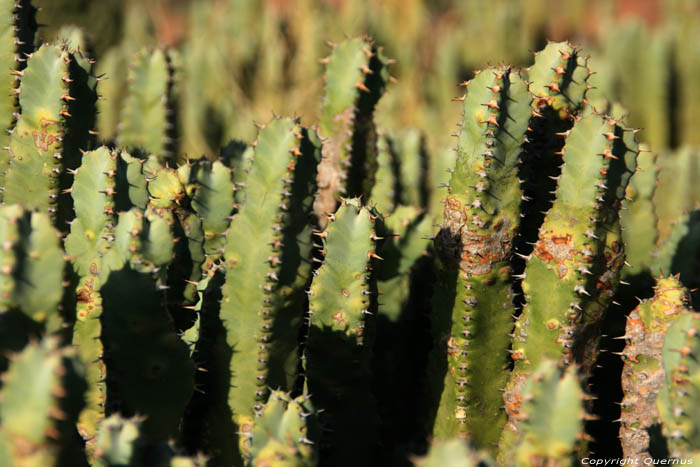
[16, 40]
[286, 433]
[338, 350]
[551, 418]
[31, 279]
[638, 220]
[558, 78]
[677, 401]
[146, 121]
[262, 303]
[89, 245]
[41, 395]
[677, 192]
[678, 255]
[453, 453]
[481, 218]
[572, 273]
[643, 373]
[356, 74]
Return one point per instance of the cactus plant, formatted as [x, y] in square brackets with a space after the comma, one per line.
[481, 217]
[342, 299]
[228, 305]
[643, 374]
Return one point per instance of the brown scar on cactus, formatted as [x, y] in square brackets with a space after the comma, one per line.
[467, 250]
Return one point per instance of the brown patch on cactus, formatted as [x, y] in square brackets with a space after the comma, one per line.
[642, 378]
[466, 249]
[331, 173]
[558, 249]
[513, 401]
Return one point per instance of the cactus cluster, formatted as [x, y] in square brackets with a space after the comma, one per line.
[291, 300]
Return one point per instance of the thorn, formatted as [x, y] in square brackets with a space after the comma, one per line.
[361, 86]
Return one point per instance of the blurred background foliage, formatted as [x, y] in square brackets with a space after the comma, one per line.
[240, 61]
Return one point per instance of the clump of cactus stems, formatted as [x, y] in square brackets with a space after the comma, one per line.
[290, 301]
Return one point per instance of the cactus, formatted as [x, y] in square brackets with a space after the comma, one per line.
[32, 262]
[551, 418]
[578, 255]
[36, 424]
[285, 433]
[677, 401]
[638, 220]
[146, 121]
[643, 374]
[338, 347]
[89, 244]
[261, 309]
[120, 442]
[452, 453]
[558, 78]
[481, 217]
[17, 33]
[35, 146]
[356, 74]
[171, 265]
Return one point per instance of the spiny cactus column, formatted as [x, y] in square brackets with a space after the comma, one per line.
[89, 245]
[338, 347]
[679, 397]
[36, 144]
[551, 419]
[558, 78]
[148, 367]
[213, 202]
[356, 74]
[286, 433]
[267, 263]
[481, 218]
[638, 220]
[574, 269]
[31, 275]
[146, 120]
[16, 39]
[37, 407]
[643, 374]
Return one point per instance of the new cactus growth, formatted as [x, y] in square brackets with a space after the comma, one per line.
[551, 418]
[286, 433]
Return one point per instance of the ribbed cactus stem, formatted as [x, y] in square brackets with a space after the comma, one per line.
[481, 218]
